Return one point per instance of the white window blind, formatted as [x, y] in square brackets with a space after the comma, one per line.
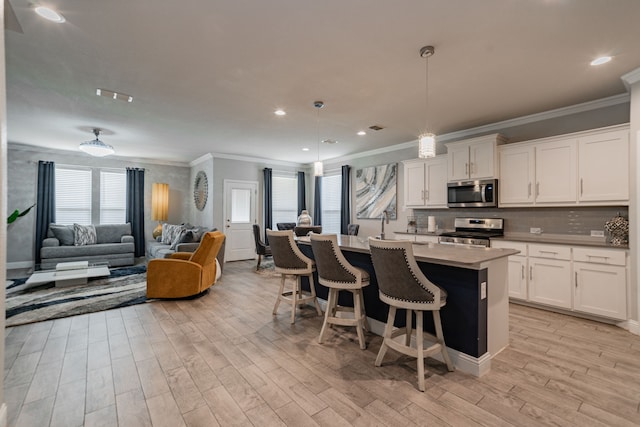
[330, 199]
[73, 196]
[113, 197]
[284, 199]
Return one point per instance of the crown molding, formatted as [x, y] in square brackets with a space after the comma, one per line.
[201, 159]
[256, 160]
[631, 78]
[500, 126]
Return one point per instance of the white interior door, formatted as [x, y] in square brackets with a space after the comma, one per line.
[240, 209]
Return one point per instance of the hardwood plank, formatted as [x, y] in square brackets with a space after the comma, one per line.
[125, 375]
[264, 415]
[224, 408]
[132, 409]
[294, 415]
[36, 413]
[200, 417]
[105, 417]
[68, 409]
[44, 382]
[74, 367]
[152, 378]
[164, 411]
[100, 389]
[184, 390]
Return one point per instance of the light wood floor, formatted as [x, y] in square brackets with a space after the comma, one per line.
[225, 360]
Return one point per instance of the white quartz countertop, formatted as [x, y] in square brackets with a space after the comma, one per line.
[458, 256]
[560, 239]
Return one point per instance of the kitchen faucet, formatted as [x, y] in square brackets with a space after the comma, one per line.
[385, 216]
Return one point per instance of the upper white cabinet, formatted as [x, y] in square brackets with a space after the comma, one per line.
[473, 158]
[585, 168]
[603, 167]
[425, 182]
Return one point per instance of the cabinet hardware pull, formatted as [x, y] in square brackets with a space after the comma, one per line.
[548, 252]
[581, 187]
[537, 189]
[530, 272]
[529, 190]
[523, 272]
[576, 279]
[466, 168]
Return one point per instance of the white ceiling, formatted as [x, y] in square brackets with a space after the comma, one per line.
[206, 75]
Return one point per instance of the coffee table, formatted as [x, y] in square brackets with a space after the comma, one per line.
[69, 273]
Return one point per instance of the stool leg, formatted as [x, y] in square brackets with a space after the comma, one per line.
[294, 299]
[387, 335]
[420, 348]
[259, 260]
[407, 328]
[312, 288]
[440, 336]
[357, 313]
[365, 323]
[280, 292]
[331, 303]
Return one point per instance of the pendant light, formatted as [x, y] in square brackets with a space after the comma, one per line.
[317, 166]
[96, 147]
[427, 140]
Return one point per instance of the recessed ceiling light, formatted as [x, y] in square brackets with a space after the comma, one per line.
[305, 149]
[114, 95]
[50, 14]
[362, 133]
[601, 60]
[330, 141]
[280, 113]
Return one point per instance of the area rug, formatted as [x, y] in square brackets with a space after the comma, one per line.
[267, 268]
[124, 287]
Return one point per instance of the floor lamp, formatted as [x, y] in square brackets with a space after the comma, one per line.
[159, 206]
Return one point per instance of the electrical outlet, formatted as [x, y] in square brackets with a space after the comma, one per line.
[483, 290]
[597, 233]
[535, 230]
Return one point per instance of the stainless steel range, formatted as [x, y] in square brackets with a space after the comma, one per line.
[475, 232]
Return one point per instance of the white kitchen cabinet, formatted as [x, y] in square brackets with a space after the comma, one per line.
[518, 268]
[425, 182]
[517, 174]
[556, 164]
[603, 167]
[550, 275]
[600, 282]
[473, 158]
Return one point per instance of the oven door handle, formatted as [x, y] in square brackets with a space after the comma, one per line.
[483, 193]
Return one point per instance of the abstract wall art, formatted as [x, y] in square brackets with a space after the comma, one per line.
[376, 191]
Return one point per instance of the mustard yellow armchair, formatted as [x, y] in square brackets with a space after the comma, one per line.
[185, 274]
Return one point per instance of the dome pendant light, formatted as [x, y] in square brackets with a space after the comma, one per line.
[96, 147]
[317, 166]
[427, 140]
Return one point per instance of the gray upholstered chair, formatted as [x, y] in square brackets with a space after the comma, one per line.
[401, 284]
[261, 248]
[286, 225]
[336, 273]
[289, 260]
[303, 230]
[352, 229]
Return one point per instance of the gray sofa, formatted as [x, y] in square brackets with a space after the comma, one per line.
[115, 245]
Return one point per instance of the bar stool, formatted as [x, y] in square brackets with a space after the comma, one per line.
[401, 284]
[336, 273]
[289, 260]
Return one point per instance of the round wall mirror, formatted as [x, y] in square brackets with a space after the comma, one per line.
[200, 190]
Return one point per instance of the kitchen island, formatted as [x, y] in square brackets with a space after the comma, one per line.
[475, 320]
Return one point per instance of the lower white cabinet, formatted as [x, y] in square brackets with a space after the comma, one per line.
[600, 282]
[581, 279]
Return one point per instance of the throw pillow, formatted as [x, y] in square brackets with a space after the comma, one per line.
[63, 233]
[84, 235]
[179, 238]
[169, 233]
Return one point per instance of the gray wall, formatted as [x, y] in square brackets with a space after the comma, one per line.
[22, 174]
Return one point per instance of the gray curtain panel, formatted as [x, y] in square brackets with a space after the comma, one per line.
[135, 207]
[268, 202]
[302, 195]
[45, 203]
[317, 202]
[345, 199]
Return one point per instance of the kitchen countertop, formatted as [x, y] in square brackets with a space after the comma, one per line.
[459, 256]
[561, 239]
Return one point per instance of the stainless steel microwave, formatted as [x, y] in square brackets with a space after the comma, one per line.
[473, 194]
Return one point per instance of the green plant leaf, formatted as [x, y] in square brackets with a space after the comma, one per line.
[13, 216]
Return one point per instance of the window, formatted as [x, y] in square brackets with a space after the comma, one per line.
[330, 202]
[90, 196]
[73, 195]
[113, 197]
[285, 199]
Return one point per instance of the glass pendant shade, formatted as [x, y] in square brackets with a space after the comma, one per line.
[317, 168]
[426, 146]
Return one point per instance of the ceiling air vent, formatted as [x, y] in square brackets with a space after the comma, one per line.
[376, 127]
[114, 95]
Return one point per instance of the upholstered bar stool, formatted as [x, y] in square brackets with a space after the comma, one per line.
[336, 273]
[289, 260]
[401, 284]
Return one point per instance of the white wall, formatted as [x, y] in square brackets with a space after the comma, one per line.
[3, 208]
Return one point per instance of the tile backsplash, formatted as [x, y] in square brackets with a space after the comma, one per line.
[565, 220]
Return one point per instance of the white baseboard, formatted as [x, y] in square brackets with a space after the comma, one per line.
[19, 264]
[3, 415]
[631, 325]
